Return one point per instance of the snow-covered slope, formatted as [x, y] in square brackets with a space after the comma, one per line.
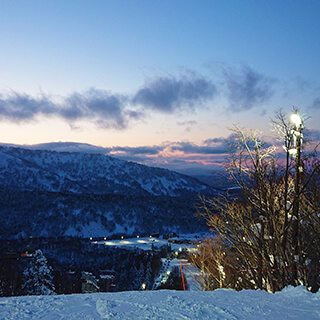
[291, 303]
[48, 193]
[90, 173]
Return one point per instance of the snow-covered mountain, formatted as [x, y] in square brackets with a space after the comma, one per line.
[90, 194]
[87, 173]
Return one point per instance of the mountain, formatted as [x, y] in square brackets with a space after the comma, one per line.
[69, 147]
[48, 193]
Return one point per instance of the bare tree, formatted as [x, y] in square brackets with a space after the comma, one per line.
[272, 229]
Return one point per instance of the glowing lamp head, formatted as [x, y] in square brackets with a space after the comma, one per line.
[296, 119]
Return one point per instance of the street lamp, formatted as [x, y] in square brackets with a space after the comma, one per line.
[296, 119]
[297, 139]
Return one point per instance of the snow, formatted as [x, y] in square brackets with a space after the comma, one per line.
[87, 230]
[145, 243]
[291, 303]
[189, 272]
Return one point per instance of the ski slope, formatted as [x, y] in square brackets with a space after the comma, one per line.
[291, 303]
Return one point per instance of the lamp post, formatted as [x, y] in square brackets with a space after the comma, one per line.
[297, 138]
[297, 135]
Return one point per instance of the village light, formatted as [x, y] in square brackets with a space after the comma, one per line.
[143, 286]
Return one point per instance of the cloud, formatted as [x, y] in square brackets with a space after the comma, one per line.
[191, 158]
[247, 88]
[105, 109]
[214, 146]
[143, 150]
[169, 150]
[187, 123]
[169, 94]
[110, 110]
[191, 148]
[214, 141]
[22, 107]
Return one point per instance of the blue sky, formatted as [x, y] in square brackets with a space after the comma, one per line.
[158, 82]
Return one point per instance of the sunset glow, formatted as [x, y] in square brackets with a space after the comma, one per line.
[157, 82]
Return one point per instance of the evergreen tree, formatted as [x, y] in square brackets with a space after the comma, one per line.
[148, 276]
[37, 276]
[140, 275]
[133, 277]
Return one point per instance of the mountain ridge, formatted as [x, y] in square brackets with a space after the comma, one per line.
[123, 196]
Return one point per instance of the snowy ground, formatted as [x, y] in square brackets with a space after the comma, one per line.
[145, 243]
[291, 303]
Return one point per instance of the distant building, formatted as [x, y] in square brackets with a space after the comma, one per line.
[89, 283]
[107, 280]
[28, 251]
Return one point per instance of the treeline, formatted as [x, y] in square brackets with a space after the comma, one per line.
[69, 257]
[26, 213]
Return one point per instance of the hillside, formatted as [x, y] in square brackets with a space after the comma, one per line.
[48, 193]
